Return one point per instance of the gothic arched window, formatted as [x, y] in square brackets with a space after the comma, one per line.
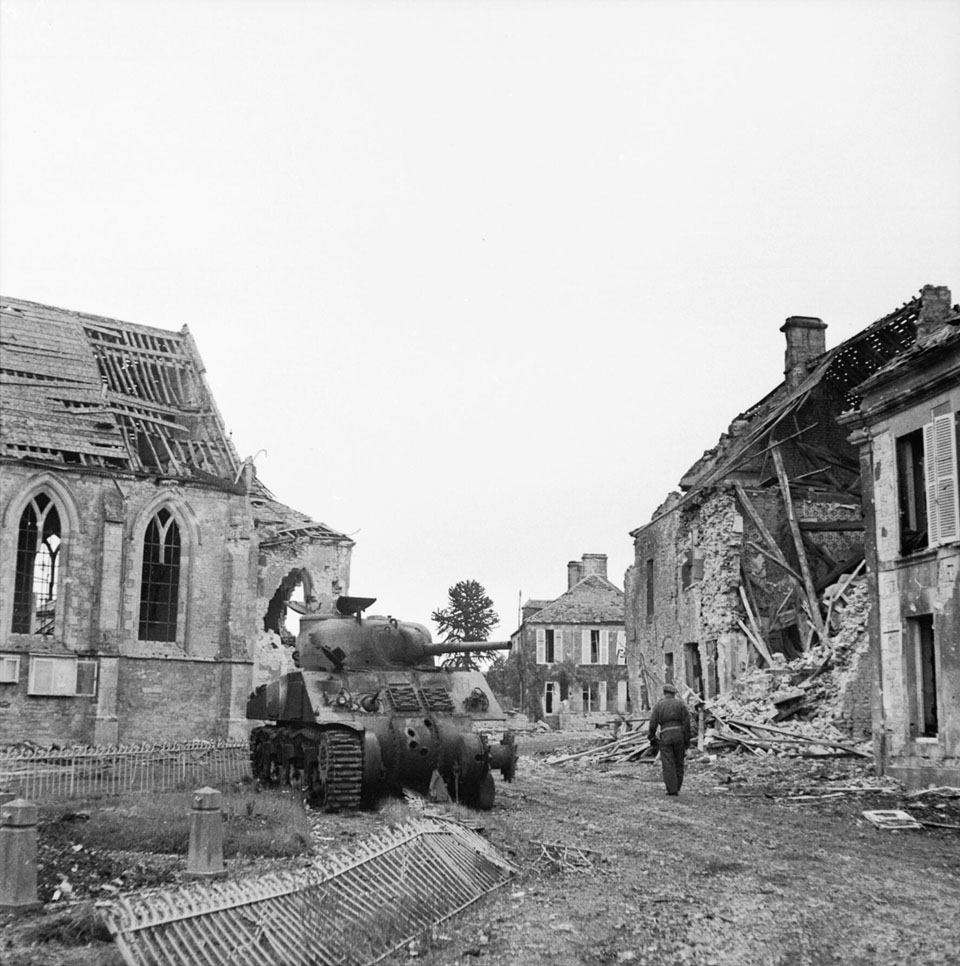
[160, 579]
[35, 577]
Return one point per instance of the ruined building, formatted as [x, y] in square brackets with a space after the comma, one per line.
[145, 572]
[737, 569]
[573, 650]
[907, 427]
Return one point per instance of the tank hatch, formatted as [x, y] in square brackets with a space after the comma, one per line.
[354, 605]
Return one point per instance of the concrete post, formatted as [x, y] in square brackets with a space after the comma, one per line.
[18, 856]
[206, 835]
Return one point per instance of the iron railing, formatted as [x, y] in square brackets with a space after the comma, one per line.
[349, 909]
[56, 774]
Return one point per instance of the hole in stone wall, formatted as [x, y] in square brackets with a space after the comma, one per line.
[280, 617]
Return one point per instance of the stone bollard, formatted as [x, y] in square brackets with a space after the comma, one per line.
[206, 836]
[18, 856]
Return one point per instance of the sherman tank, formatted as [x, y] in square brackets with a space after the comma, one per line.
[369, 712]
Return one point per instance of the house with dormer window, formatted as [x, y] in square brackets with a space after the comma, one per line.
[573, 650]
[146, 574]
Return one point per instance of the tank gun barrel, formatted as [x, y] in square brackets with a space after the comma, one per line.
[465, 647]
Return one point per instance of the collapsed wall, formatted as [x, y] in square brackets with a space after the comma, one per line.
[826, 691]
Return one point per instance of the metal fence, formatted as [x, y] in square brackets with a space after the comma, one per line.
[351, 909]
[55, 774]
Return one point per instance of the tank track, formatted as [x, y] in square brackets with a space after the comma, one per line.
[338, 782]
[326, 763]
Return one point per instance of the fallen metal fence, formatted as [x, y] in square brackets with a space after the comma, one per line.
[55, 774]
[352, 909]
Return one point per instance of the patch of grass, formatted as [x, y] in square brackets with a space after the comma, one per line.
[74, 925]
[254, 824]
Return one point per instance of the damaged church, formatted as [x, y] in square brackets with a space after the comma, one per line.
[145, 572]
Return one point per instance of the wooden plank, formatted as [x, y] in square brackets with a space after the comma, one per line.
[812, 599]
[830, 526]
[756, 641]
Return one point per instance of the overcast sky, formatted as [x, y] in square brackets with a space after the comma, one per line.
[480, 281]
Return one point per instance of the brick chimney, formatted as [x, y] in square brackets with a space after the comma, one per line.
[574, 573]
[935, 309]
[805, 341]
[594, 563]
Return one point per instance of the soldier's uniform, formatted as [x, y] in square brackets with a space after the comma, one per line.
[671, 717]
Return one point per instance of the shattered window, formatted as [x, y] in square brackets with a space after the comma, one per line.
[37, 568]
[160, 579]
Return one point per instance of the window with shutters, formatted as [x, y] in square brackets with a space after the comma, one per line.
[62, 677]
[929, 514]
[552, 645]
[621, 647]
[590, 645]
[549, 645]
[160, 579]
[37, 568]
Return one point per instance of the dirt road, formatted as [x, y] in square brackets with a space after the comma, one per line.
[733, 872]
[758, 862]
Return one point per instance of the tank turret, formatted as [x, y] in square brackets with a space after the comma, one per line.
[368, 710]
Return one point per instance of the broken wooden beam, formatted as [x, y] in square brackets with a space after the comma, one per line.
[830, 526]
[815, 616]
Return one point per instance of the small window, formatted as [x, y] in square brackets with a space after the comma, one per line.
[87, 678]
[62, 677]
[9, 669]
[691, 570]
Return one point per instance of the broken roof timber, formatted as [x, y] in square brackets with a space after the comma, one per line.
[845, 367]
[79, 388]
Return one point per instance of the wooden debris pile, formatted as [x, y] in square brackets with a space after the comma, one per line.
[719, 734]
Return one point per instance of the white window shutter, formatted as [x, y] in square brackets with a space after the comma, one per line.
[602, 689]
[557, 645]
[945, 444]
[604, 647]
[930, 483]
[621, 647]
[541, 646]
[621, 695]
[585, 647]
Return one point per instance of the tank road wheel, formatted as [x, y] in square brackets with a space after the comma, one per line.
[336, 779]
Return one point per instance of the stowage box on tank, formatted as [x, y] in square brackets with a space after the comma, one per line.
[369, 711]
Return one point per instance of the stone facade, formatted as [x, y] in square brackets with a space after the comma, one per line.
[907, 429]
[572, 651]
[730, 572]
[80, 662]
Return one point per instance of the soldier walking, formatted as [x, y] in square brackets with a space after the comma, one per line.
[670, 730]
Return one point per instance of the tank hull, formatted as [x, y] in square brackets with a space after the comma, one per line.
[347, 736]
